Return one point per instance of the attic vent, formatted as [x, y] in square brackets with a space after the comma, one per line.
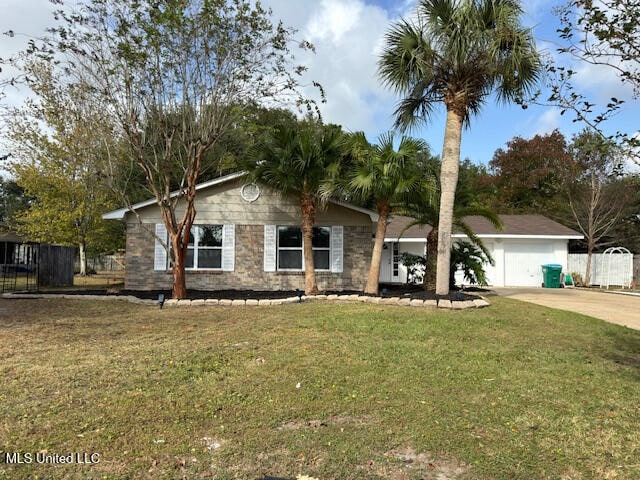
[250, 192]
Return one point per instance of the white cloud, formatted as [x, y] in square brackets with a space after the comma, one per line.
[602, 81]
[347, 36]
[335, 20]
[548, 121]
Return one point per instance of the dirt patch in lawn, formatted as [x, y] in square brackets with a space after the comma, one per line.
[427, 466]
[336, 420]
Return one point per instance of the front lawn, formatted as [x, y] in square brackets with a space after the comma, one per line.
[351, 391]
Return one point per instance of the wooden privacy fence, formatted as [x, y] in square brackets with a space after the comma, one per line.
[29, 266]
[55, 267]
[606, 269]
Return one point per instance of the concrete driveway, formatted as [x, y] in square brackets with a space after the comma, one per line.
[612, 307]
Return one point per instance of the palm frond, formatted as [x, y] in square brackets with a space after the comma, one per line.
[457, 52]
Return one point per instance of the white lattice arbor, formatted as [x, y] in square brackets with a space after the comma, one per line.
[617, 265]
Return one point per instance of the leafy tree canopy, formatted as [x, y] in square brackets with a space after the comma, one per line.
[529, 176]
[12, 201]
[59, 151]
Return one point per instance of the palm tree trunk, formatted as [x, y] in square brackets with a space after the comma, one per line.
[308, 208]
[429, 279]
[373, 280]
[448, 184]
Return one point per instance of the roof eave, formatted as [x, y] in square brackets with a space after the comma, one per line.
[373, 215]
[524, 235]
[121, 212]
[405, 239]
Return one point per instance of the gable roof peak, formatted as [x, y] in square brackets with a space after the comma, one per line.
[120, 213]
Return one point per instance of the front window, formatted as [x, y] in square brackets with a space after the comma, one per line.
[289, 248]
[205, 247]
[290, 256]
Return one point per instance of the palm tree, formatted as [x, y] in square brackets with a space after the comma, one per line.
[384, 174]
[456, 53]
[425, 210]
[296, 160]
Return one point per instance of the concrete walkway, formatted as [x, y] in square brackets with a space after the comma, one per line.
[615, 308]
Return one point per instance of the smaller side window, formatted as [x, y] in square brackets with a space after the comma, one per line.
[322, 248]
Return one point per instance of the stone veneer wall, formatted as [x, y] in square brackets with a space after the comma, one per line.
[249, 270]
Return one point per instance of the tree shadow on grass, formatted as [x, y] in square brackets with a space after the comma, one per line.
[625, 349]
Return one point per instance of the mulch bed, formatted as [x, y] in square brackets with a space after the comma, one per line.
[386, 290]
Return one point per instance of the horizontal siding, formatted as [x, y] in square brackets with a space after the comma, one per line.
[222, 204]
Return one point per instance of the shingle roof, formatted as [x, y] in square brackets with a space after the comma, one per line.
[514, 225]
[528, 225]
[398, 223]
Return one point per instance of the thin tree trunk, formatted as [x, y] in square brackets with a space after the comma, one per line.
[594, 199]
[83, 258]
[373, 280]
[448, 184]
[308, 208]
[587, 273]
[429, 279]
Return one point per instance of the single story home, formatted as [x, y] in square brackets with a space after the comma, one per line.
[525, 243]
[248, 236]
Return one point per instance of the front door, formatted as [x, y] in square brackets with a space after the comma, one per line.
[390, 263]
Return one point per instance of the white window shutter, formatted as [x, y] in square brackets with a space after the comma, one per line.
[228, 247]
[270, 248]
[160, 253]
[337, 232]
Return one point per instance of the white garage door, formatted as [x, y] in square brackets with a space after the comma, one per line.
[523, 262]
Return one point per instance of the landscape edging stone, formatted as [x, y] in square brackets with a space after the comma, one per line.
[480, 302]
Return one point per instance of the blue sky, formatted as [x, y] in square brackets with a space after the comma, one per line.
[348, 36]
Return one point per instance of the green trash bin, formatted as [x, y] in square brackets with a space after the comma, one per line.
[552, 275]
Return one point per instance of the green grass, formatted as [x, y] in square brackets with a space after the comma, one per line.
[514, 391]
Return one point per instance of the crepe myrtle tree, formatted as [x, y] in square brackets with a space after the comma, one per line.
[175, 76]
[456, 53]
